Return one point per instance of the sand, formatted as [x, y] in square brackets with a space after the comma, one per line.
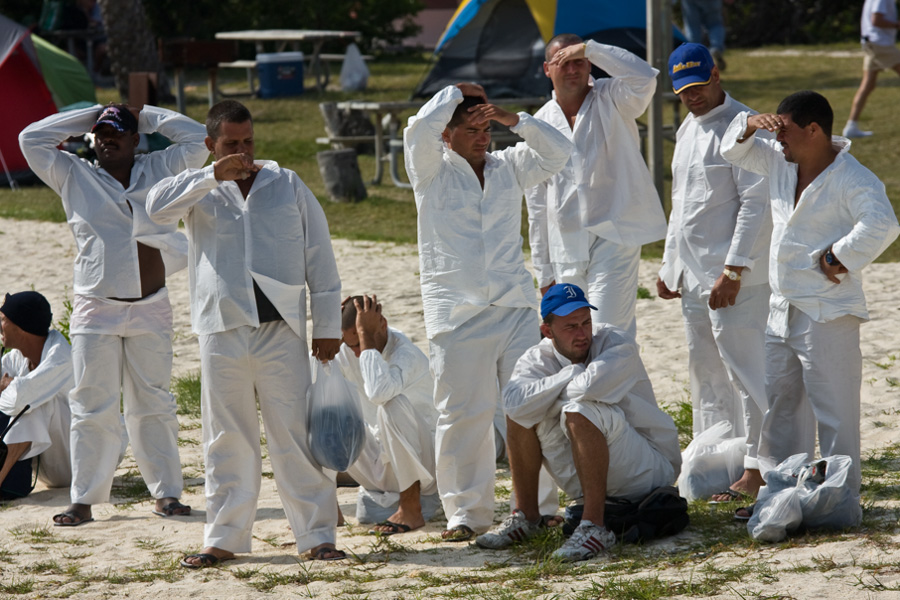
[128, 552]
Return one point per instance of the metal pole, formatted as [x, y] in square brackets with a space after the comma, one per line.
[656, 31]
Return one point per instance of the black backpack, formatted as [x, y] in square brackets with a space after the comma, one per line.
[659, 514]
[19, 481]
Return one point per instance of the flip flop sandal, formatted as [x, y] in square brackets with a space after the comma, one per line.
[321, 552]
[169, 510]
[206, 560]
[747, 509]
[394, 528]
[73, 516]
[733, 496]
[460, 533]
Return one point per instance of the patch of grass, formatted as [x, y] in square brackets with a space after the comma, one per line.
[186, 390]
[34, 534]
[682, 412]
[17, 586]
[44, 567]
[131, 487]
[643, 293]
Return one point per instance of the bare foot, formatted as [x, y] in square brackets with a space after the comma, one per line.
[198, 561]
[748, 485]
[75, 514]
[410, 519]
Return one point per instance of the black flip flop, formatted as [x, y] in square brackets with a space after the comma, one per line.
[394, 528]
[73, 516]
[206, 560]
[460, 533]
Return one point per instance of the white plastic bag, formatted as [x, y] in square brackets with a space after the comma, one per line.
[335, 423]
[354, 72]
[814, 494]
[711, 462]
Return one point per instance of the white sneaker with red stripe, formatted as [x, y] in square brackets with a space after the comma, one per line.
[587, 541]
[515, 528]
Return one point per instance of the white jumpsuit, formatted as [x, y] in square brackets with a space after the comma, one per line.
[46, 391]
[588, 222]
[395, 390]
[612, 391]
[277, 237]
[720, 216]
[813, 361]
[120, 350]
[478, 297]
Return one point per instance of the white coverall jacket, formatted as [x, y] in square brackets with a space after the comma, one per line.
[278, 237]
[605, 187]
[396, 392]
[46, 391]
[614, 392]
[97, 208]
[470, 241]
[813, 361]
[720, 216]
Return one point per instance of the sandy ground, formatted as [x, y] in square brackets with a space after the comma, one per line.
[128, 552]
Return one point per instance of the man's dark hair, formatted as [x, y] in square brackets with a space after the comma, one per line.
[808, 107]
[463, 109]
[348, 313]
[548, 320]
[226, 111]
[563, 39]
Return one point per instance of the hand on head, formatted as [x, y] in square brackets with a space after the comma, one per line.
[482, 113]
[472, 89]
[368, 315]
[564, 55]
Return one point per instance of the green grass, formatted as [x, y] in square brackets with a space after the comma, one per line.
[286, 130]
[186, 390]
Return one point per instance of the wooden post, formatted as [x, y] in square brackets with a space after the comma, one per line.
[340, 173]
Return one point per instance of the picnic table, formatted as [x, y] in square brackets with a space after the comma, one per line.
[280, 38]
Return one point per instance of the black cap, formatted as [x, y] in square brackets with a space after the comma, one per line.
[30, 311]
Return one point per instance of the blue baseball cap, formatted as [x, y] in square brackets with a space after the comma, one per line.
[563, 299]
[689, 65]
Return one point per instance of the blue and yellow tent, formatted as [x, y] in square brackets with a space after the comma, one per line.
[500, 43]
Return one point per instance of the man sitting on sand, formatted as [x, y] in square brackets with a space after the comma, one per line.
[395, 386]
[582, 393]
[258, 239]
[36, 373]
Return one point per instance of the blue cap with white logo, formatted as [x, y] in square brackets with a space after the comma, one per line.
[689, 65]
[563, 299]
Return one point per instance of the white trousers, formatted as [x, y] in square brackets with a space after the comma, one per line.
[635, 467]
[47, 429]
[470, 365]
[726, 355]
[139, 367]
[813, 379]
[269, 363]
[398, 453]
[610, 280]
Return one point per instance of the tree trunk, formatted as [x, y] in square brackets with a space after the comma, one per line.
[131, 43]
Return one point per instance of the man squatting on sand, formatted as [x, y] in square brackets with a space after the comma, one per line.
[587, 223]
[258, 238]
[478, 297]
[831, 218]
[121, 324]
[717, 252]
[35, 374]
[582, 395]
[395, 388]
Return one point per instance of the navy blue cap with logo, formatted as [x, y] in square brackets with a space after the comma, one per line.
[563, 299]
[690, 65]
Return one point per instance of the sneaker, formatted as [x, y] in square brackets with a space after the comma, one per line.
[853, 131]
[588, 541]
[515, 528]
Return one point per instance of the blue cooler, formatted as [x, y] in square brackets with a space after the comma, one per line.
[280, 74]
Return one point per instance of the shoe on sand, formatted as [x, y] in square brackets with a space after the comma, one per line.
[586, 542]
[515, 528]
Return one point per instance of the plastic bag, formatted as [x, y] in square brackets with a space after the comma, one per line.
[335, 423]
[354, 72]
[374, 507]
[812, 494]
[711, 462]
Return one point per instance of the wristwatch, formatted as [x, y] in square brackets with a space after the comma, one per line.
[831, 259]
[732, 275]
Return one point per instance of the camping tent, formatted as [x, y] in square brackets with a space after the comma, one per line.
[26, 95]
[500, 43]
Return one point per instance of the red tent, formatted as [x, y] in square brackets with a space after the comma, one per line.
[25, 97]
